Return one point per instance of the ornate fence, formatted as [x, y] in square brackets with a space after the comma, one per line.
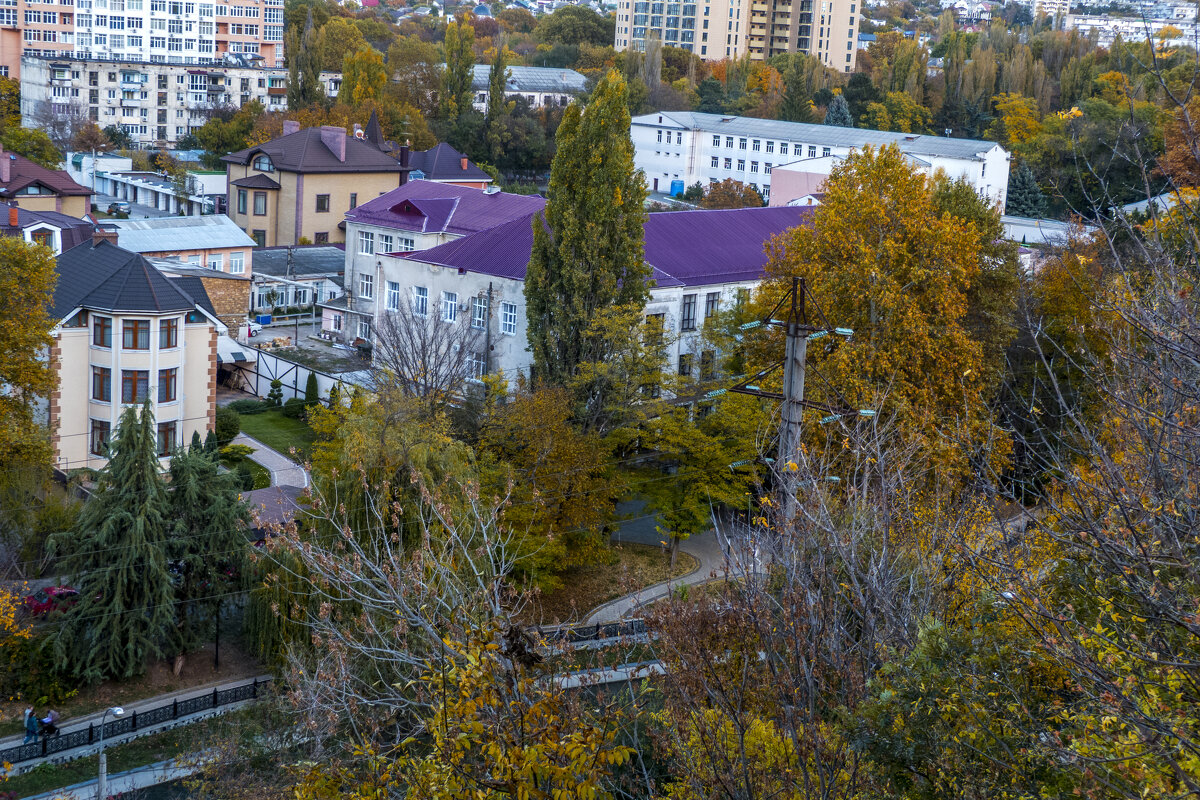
[577, 634]
[131, 723]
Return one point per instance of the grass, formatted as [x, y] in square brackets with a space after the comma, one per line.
[262, 477]
[633, 567]
[280, 433]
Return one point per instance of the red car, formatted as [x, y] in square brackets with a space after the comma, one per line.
[50, 599]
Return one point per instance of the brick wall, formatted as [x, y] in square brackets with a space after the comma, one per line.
[230, 298]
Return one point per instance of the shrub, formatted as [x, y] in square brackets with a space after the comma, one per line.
[248, 406]
[294, 408]
[312, 394]
[245, 476]
[275, 396]
[228, 425]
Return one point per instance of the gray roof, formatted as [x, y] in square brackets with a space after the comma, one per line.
[823, 135]
[105, 277]
[172, 234]
[311, 260]
[1031, 231]
[533, 79]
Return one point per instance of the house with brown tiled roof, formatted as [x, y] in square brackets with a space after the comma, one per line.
[301, 184]
[443, 164]
[37, 188]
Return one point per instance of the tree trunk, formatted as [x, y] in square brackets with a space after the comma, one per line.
[674, 551]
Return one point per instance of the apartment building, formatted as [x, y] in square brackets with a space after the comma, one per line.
[155, 103]
[721, 29]
[676, 149]
[1107, 28]
[161, 31]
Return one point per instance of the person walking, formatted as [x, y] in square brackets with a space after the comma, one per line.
[31, 726]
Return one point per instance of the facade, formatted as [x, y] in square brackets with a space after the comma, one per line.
[48, 228]
[702, 262]
[417, 216]
[827, 29]
[1132, 29]
[36, 188]
[159, 31]
[212, 242]
[539, 86]
[675, 149]
[300, 185]
[296, 276]
[127, 333]
[155, 103]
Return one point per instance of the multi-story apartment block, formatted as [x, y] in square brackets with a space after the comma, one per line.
[1132, 29]
[717, 29]
[161, 31]
[155, 103]
[676, 149]
[712, 29]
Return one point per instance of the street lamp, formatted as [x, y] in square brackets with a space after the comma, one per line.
[101, 788]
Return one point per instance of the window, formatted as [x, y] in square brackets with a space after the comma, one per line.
[337, 322]
[449, 306]
[754, 166]
[741, 165]
[812, 151]
[476, 366]
[166, 385]
[655, 325]
[259, 236]
[264, 164]
[135, 385]
[168, 333]
[354, 199]
[100, 432]
[364, 329]
[237, 263]
[712, 304]
[687, 313]
[756, 145]
[366, 286]
[479, 312]
[728, 163]
[770, 147]
[716, 141]
[135, 334]
[385, 243]
[729, 141]
[260, 204]
[406, 244]
[508, 318]
[241, 201]
[102, 384]
[215, 261]
[706, 365]
[741, 144]
[102, 331]
[166, 438]
[44, 238]
[420, 301]
[783, 149]
[685, 365]
[321, 237]
[393, 296]
[366, 243]
[825, 151]
[322, 203]
[715, 161]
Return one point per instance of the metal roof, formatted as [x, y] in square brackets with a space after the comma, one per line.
[173, 234]
[307, 260]
[533, 79]
[823, 135]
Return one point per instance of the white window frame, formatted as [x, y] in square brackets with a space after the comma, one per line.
[479, 312]
[449, 306]
[508, 319]
[366, 243]
[392, 301]
[421, 301]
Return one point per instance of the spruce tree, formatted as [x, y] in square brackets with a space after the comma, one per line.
[1025, 198]
[587, 248]
[117, 557]
[304, 67]
[838, 113]
[796, 106]
[208, 544]
[312, 393]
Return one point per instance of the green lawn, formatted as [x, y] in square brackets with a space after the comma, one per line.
[280, 433]
[262, 477]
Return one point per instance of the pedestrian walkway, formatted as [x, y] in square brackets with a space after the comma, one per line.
[141, 707]
[122, 782]
[284, 471]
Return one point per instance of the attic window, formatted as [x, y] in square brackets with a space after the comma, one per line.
[194, 316]
[264, 164]
[36, 188]
[77, 321]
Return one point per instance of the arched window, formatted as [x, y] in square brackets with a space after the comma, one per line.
[263, 163]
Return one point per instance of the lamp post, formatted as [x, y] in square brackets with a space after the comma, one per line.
[101, 787]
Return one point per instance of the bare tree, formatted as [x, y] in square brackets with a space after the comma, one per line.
[60, 121]
[425, 356]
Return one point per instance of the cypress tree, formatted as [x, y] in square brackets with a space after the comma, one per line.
[1025, 197]
[796, 106]
[497, 104]
[304, 67]
[196, 445]
[117, 557]
[208, 544]
[838, 112]
[312, 394]
[587, 248]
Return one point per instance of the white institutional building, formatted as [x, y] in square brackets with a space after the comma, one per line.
[676, 149]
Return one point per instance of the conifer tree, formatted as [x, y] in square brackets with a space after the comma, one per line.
[796, 106]
[497, 104]
[838, 113]
[117, 557]
[312, 393]
[208, 543]
[1025, 198]
[304, 67]
[587, 248]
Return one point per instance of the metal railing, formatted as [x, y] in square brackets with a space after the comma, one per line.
[131, 723]
[579, 633]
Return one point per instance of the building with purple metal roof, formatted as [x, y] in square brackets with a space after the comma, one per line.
[701, 261]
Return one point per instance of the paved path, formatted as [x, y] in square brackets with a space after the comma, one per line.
[122, 782]
[140, 706]
[284, 471]
[706, 548]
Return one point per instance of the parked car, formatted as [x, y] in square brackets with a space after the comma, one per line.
[51, 598]
[255, 328]
[119, 208]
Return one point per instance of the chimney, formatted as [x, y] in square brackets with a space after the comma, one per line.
[290, 126]
[5, 166]
[463, 162]
[104, 235]
[335, 139]
[405, 160]
[14, 216]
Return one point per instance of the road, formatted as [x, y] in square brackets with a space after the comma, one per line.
[100, 202]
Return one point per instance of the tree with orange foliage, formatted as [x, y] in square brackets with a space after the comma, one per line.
[731, 194]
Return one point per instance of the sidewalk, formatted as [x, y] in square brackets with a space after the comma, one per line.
[284, 471]
[141, 706]
[122, 782]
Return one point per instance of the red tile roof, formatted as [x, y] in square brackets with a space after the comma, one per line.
[23, 173]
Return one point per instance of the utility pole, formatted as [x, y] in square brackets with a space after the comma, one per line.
[798, 332]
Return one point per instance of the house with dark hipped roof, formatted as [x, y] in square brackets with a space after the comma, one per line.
[126, 333]
[701, 262]
[57, 231]
[40, 189]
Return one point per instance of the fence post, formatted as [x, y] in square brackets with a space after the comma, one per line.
[44, 739]
[254, 688]
[214, 698]
[175, 709]
[91, 733]
[133, 717]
